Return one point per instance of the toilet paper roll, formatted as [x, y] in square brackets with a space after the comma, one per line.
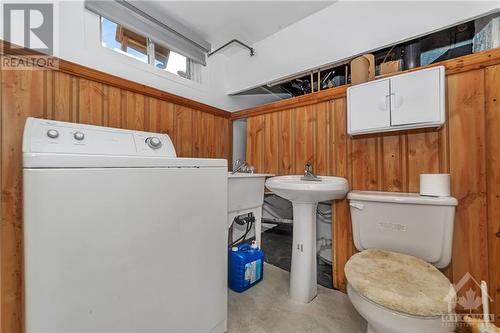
[435, 184]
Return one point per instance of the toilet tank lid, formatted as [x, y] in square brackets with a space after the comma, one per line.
[400, 197]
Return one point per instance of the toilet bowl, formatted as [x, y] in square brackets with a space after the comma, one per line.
[384, 320]
[394, 281]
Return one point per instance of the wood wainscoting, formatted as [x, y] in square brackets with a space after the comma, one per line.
[78, 94]
[283, 136]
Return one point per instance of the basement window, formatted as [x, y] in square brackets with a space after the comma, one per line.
[122, 40]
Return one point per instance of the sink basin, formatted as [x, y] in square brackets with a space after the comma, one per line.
[297, 190]
[245, 190]
[245, 194]
[305, 196]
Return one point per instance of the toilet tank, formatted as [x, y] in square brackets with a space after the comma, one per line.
[407, 223]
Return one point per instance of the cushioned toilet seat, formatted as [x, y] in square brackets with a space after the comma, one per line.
[400, 282]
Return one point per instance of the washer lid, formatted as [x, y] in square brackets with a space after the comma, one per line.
[400, 197]
[56, 144]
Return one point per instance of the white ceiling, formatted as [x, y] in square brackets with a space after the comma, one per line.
[249, 21]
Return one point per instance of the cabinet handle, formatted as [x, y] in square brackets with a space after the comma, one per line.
[388, 98]
[387, 101]
[498, 234]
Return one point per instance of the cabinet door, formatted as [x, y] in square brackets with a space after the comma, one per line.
[418, 97]
[368, 107]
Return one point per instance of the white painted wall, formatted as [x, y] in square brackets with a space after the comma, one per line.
[239, 140]
[342, 30]
[79, 42]
[77, 31]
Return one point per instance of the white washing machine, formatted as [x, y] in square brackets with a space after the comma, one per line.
[120, 235]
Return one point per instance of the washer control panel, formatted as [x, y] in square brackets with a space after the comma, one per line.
[48, 136]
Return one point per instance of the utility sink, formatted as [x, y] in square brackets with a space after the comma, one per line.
[245, 194]
[245, 190]
[305, 195]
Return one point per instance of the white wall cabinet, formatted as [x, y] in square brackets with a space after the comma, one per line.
[406, 101]
[370, 106]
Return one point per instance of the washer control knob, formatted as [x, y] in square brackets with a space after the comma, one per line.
[79, 136]
[52, 133]
[153, 142]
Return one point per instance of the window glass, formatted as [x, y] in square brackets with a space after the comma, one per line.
[171, 61]
[124, 41]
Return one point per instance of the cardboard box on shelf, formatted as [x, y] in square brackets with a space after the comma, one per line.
[390, 67]
[363, 69]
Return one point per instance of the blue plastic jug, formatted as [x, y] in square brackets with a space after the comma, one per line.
[246, 267]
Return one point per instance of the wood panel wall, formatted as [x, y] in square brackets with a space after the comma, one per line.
[281, 138]
[72, 95]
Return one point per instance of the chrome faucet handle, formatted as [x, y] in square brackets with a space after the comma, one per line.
[308, 174]
[308, 168]
[242, 166]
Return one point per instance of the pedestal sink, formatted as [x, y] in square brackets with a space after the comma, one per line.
[305, 195]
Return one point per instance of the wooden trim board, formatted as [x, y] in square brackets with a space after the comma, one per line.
[453, 66]
[84, 72]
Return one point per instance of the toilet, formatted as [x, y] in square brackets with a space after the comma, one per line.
[394, 281]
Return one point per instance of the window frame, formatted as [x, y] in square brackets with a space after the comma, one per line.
[150, 52]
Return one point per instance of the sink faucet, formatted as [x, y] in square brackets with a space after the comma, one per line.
[242, 166]
[309, 175]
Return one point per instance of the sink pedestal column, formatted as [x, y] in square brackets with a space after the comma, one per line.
[303, 280]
